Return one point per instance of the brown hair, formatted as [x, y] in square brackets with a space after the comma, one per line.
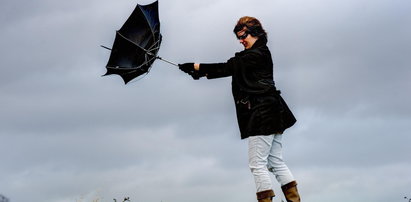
[252, 26]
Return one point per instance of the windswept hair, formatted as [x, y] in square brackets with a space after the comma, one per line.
[251, 25]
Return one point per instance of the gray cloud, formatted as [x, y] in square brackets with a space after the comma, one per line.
[68, 134]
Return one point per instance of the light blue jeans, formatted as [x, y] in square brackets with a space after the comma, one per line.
[265, 156]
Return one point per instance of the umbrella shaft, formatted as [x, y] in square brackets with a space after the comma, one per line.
[158, 57]
[105, 47]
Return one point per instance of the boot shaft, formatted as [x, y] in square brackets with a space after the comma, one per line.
[291, 192]
[265, 196]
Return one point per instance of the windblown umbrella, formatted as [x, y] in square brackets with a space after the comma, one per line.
[136, 44]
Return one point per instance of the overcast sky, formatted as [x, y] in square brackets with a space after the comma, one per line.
[68, 135]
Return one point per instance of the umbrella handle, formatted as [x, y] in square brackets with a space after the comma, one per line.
[158, 57]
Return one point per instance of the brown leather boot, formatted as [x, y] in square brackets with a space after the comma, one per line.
[265, 196]
[290, 192]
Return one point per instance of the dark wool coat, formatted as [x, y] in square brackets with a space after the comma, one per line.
[260, 108]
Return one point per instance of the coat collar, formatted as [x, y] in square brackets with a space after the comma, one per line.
[261, 41]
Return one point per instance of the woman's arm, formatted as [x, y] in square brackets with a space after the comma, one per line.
[213, 70]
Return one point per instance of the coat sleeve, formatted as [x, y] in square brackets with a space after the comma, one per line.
[216, 70]
[239, 62]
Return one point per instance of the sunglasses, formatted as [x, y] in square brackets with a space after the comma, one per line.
[242, 37]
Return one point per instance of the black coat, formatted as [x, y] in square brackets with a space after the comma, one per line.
[260, 108]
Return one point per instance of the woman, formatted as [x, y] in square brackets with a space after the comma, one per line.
[262, 114]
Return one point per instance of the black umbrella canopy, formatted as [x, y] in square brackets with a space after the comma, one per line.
[136, 44]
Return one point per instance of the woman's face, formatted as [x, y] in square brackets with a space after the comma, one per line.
[246, 39]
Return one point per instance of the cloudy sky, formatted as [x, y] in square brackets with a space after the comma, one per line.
[68, 135]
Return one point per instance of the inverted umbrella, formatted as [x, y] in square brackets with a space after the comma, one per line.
[136, 44]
